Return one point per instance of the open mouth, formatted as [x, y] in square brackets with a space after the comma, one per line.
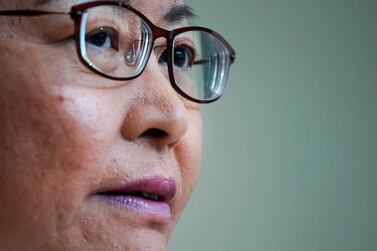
[140, 194]
[147, 196]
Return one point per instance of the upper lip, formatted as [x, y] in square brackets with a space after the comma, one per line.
[165, 188]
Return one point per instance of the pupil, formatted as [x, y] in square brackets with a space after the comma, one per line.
[98, 39]
[179, 57]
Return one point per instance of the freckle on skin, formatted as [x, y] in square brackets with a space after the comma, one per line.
[60, 98]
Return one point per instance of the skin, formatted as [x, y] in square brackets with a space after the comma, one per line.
[66, 133]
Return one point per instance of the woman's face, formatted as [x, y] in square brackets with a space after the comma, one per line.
[78, 150]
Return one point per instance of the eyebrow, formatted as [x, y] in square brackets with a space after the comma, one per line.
[179, 13]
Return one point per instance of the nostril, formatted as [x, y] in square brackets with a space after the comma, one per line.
[156, 125]
[154, 133]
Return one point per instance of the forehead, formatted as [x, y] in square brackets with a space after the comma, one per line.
[153, 9]
[71, 2]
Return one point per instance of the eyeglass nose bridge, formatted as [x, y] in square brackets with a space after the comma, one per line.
[158, 32]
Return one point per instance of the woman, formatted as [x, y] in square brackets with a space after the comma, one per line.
[100, 139]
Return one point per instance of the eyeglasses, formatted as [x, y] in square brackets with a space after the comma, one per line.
[115, 41]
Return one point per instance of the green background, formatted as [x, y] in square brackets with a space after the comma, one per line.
[290, 157]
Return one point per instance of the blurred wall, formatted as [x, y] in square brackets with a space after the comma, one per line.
[290, 158]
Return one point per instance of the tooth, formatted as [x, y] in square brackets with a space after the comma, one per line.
[150, 196]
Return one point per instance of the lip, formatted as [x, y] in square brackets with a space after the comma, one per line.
[128, 196]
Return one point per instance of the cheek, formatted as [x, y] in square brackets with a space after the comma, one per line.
[41, 159]
[189, 156]
[97, 114]
[52, 138]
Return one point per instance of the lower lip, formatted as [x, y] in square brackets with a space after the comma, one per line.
[153, 208]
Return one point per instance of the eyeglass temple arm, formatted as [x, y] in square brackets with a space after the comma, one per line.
[233, 58]
[201, 61]
[206, 61]
[30, 13]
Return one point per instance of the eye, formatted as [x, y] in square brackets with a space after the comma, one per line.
[103, 37]
[183, 56]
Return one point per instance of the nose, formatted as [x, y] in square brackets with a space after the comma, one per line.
[157, 114]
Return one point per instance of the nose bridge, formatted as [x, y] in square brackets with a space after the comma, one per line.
[155, 71]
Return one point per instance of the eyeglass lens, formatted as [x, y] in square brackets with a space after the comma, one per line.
[204, 73]
[114, 40]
